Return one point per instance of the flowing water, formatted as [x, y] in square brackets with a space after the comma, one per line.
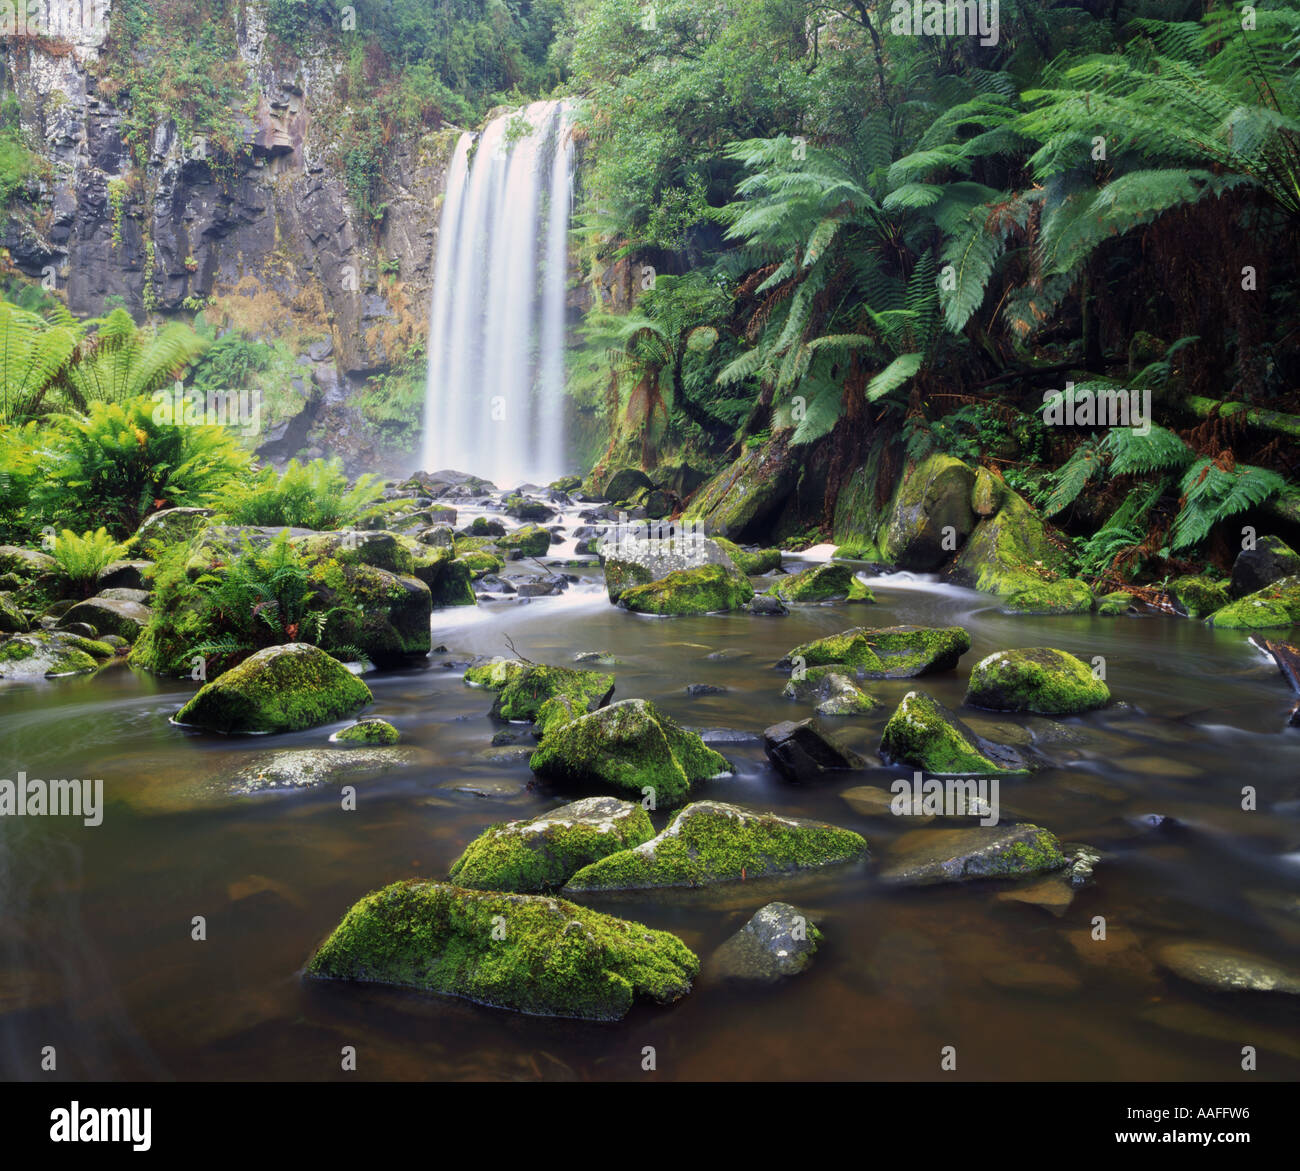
[95, 935]
[494, 399]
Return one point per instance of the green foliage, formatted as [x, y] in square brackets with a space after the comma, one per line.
[114, 465]
[1212, 493]
[19, 166]
[122, 361]
[314, 495]
[36, 353]
[82, 558]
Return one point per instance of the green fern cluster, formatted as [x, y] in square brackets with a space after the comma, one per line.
[314, 495]
[82, 558]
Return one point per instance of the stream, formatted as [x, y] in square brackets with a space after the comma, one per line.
[95, 924]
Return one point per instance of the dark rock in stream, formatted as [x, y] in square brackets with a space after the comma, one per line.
[1270, 559]
[927, 856]
[805, 751]
[779, 941]
[696, 690]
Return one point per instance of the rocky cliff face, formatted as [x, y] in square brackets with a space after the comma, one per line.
[271, 242]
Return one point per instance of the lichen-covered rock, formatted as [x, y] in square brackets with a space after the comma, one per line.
[1272, 608]
[543, 853]
[522, 694]
[859, 507]
[1197, 596]
[529, 953]
[804, 751]
[705, 589]
[1039, 679]
[820, 583]
[750, 563]
[279, 689]
[26, 563]
[779, 941]
[633, 560]
[371, 731]
[885, 652]
[1271, 558]
[927, 856]
[110, 616]
[494, 673]
[833, 691]
[741, 500]
[1067, 596]
[925, 734]
[710, 842]
[1007, 552]
[930, 516]
[628, 746]
[44, 654]
[384, 615]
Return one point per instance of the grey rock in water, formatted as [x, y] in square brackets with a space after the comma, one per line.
[1226, 969]
[779, 941]
[805, 751]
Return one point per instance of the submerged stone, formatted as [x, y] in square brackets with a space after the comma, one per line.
[1226, 969]
[629, 746]
[833, 689]
[1040, 679]
[710, 842]
[310, 768]
[779, 941]
[528, 953]
[928, 856]
[279, 689]
[925, 734]
[544, 852]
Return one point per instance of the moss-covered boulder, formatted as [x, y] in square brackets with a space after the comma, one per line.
[1114, 604]
[12, 619]
[859, 592]
[925, 734]
[126, 619]
[1067, 596]
[530, 953]
[481, 563]
[833, 690]
[1270, 559]
[44, 654]
[543, 853]
[367, 732]
[624, 483]
[529, 540]
[26, 563]
[928, 856]
[705, 589]
[522, 694]
[1274, 607]
[1042, 680]
[635, 558]
[750, 563]
[986, 493]
[279, 689]
[821, 583]
[885, 652]
[629, 746]
[860, 506]
[1197, 596]
[741, 501]
[930, 516]
[710, 842]
[386, 616]
[1008, 551]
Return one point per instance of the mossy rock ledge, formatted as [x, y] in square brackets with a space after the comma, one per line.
[629, 746]
[886, 652]
[702, 589]
[710, 842]
[279, 689]
[528, 953]
[925, 734]
[928, 856]
[821, 583]
[1040, 679]
[1275, 607]
[1067, 596]
[544, 852]
[47, 654]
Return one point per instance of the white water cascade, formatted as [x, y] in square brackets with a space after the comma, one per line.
[494, 398]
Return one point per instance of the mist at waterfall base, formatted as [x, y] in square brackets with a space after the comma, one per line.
[494, 399]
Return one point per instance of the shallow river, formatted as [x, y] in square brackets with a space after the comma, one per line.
[95, 924]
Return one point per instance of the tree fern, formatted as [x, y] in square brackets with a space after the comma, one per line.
[1211, 494]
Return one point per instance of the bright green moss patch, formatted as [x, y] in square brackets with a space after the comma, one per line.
[529, 953]
[279, 689]
[1042, 680]
[821, 583]
[629, 746]
[851, 649]
[925, 734]
[709, 842]
[527, 540]
[1197, 596]
[1273, 607]
[1068, 596]
[545, 852]
[886, 652]
[495, 673]
[702, 589]
[525, 691]
[751, 564]
[368, 732]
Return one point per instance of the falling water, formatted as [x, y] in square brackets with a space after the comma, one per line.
[494, 399]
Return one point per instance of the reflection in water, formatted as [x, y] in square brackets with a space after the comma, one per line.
[95, 925]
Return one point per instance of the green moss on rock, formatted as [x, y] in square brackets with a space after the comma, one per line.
[820, 583]
[529, 953]
[629, 746]
[925, 734]
[886, 652]
[1197, 596]
[751, 564]
[1007, 552]
[930, 516]
[1272, 608]
[44, 654]
[527, 541]
[1068, 596]
[702, 589]
[543, 853]
[279, 689]
[1042, 680]
[710, 842]
[928, 856]
[372, 731]
[525, 691]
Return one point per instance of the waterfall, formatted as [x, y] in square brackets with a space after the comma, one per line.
[494, 401]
